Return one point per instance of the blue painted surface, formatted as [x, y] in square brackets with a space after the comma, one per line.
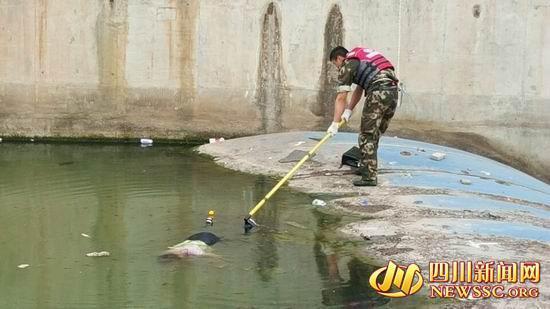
[475, 203]
[486, 227]
[418, 170]
[452, 182]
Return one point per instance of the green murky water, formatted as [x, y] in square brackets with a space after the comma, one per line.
[134, 202]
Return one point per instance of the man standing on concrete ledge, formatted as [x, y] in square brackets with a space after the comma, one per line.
[373, 74]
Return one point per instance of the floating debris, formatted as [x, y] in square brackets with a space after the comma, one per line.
[406, 153]
[146, 142]
[465, 182]
[438, 156]
[295, 224]
[102, 253]
[85, 235]
[317, 202]
[216, 140]
[0, 139]
[23, 266]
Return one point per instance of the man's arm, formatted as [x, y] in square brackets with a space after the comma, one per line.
[355, 97]
[345, 79]
[339, 105]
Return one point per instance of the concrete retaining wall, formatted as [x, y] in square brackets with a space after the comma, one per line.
[180, 68]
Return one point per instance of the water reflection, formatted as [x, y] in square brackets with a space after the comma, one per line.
[266, 254]
[354, 292]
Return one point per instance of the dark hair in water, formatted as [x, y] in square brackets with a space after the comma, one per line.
[206, 237]
[337, 51]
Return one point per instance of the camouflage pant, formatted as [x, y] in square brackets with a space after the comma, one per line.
[377, 112]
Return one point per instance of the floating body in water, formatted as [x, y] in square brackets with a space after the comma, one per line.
[198, 244]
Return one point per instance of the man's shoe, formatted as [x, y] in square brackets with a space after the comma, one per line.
[365, 182]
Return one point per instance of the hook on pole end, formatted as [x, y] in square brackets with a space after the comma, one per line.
[249, 223]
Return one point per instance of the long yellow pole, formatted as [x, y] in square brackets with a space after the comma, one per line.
[292, 171]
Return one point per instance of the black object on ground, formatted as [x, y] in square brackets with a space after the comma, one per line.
[351, 157]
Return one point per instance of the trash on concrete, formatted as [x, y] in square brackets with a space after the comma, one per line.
[317, 202]
[488, 215]
[23, 266]
[406, 153]
[299, 143]
[216, 140]
[486, 173]
[418, 202]
[502, 182]
[465, 182]
[85, 235]
[146, 141]
[102, 253]
[438, 156]
[328, 174]
[421, 149]
[364, 202]
[479, 244]
[392, 163]
[365, 237]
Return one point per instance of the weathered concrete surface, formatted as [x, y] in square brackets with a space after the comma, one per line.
[179, 68]
[421, 211]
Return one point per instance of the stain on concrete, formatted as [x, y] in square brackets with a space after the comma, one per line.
[184, 54]
[271, 91]
[42, 11]
[476, 10]
[333, 36]
[112, 39]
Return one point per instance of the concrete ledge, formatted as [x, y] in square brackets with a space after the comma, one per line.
[464, 207]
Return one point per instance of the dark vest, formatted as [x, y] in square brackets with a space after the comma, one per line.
[371, 63]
